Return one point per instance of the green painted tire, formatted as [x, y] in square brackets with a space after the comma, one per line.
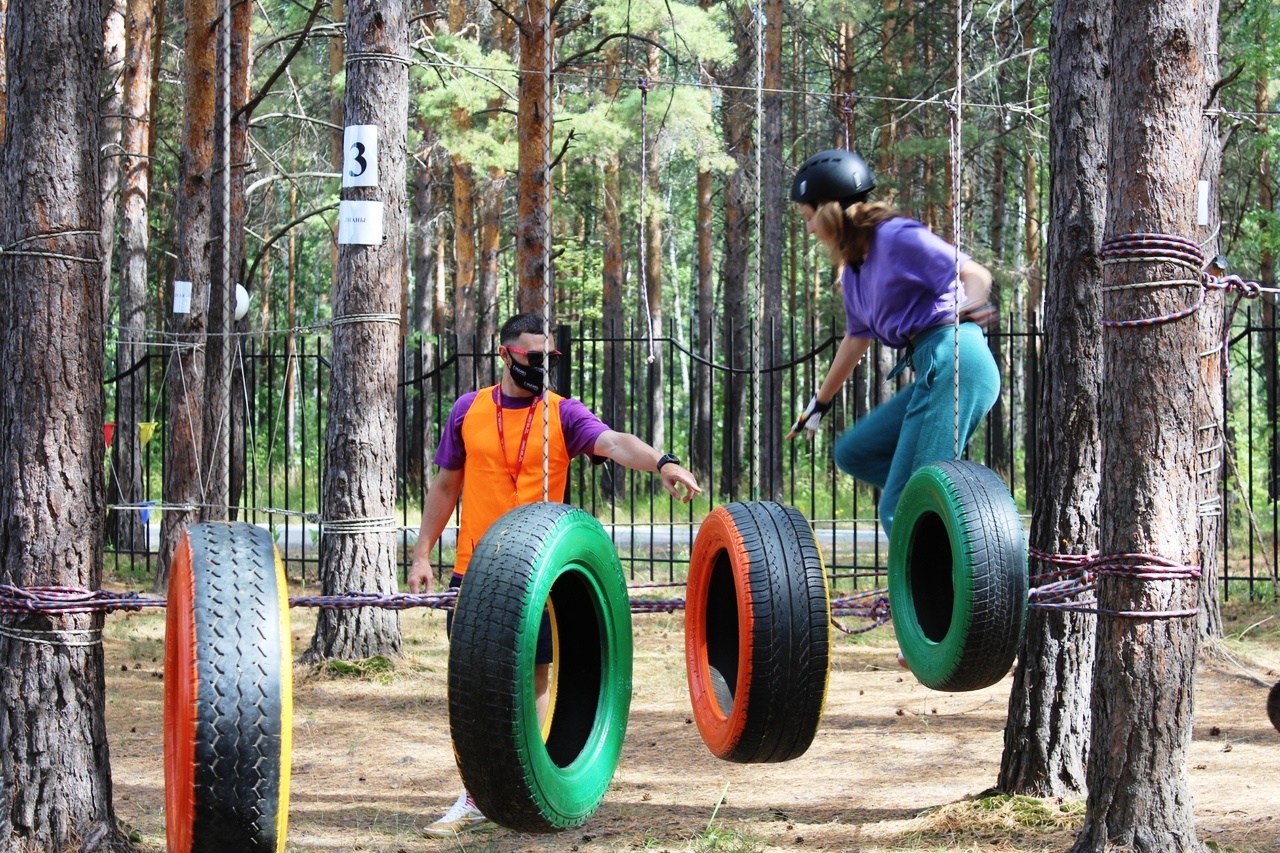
[228, 693]
[757, 632]
[957, 576]
[534, 556]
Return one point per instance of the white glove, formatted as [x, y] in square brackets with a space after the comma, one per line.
[811, 416]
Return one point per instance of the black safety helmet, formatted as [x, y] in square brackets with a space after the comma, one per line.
[833, 175]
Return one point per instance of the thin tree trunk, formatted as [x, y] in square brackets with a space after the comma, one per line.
[124, 527]
[613, 410]
[1046, 736]
[493, 200]
[1139, 797]
[241, 62]
[738, 117]
[426, 224]
[652, 210]
[533, 202]
[358, 545]
[703, 411]
[55, 777]
[184, 492]
[1210, 435]
[464, 239]
[113, 62]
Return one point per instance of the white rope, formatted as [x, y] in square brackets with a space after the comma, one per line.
[957, 119]
[70, 638]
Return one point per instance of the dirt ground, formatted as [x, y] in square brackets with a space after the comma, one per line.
[372, 759]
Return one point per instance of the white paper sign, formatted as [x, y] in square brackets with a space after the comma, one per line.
[360, 155]
[360, 222]
[182, 297]
[1202, 209]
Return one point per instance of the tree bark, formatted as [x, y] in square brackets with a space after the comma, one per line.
[1143, 675]
[124, 528]
[652, 211]
[464, 239]
[613, 392]
[55, 777]
[113, 62]
[1047, 733]
[703, 408]
[358, 552]
[185, 423]
[738, 119]
[533, 201]
[241, 68]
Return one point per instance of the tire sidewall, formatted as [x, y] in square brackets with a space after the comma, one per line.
[579, 546]
[930, 491]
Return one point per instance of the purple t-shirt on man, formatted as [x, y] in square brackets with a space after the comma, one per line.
[906, 284]
[579, 424]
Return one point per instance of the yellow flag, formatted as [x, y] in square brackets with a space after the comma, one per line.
[145, 431]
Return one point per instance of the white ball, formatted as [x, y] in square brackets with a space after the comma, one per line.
[242, 302]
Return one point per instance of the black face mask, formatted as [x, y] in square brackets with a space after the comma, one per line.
[531, 379]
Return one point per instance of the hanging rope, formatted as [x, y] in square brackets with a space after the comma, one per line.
[954, 111]
[757, 307]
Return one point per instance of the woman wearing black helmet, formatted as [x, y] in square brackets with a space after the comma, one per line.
[899, 284]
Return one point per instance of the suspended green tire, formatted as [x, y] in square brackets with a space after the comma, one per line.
[757, 632]
[228, 693]
[1273, 706]
[534, 556]
[957, 576]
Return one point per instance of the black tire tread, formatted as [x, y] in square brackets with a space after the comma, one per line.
[238, 663]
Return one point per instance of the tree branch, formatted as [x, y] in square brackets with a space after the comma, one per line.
[249, 106]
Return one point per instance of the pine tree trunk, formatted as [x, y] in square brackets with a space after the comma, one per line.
[613, 410]
[55, 777]
[533, 196]
[124, 527]
[464, 239]
[360, 439]
[241, 67]
[1047, 734]
[738, 118]
[653, 213]
[185, 423]
[113, 59]
[1139, 797]
[703, 411]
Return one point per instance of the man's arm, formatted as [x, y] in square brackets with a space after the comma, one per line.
[626, 449]
[442, 497]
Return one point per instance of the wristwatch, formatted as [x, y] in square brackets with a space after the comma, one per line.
[664, 459]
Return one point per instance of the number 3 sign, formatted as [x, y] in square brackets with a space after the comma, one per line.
[360, 155]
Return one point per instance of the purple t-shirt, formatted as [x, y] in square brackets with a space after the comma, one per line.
[906, 284]
[579, 424]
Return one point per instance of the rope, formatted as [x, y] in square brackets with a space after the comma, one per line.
[71, 638]
[956, 119]
[377, 56]
[365, 318]
[1056, 590]
[12, 249]
[352, 526]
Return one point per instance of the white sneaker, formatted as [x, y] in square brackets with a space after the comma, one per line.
[461, 817]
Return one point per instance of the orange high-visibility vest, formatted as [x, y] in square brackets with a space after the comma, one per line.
[488, 491]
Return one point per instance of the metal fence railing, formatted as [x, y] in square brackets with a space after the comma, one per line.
[281, 388]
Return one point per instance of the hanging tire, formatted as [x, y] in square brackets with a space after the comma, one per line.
[957, 576]
[228, 693]
[534, 557]
[1273, 706]
[757, 632]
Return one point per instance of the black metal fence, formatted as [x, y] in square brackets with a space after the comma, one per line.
[281, 387]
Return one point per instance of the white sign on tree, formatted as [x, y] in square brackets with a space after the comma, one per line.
[360, 155]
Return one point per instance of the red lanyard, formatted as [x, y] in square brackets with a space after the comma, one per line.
[524, 437]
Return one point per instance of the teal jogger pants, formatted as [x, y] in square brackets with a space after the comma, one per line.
[917, 425]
